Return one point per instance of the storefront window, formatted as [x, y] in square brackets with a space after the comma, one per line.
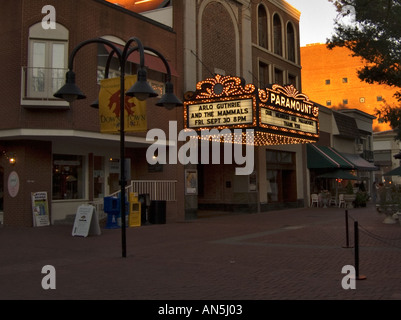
[68, 177]
[98, 177]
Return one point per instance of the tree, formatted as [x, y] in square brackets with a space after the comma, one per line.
[371, 29]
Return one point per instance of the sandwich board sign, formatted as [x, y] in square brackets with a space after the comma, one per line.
[40, 209]
[86, 222]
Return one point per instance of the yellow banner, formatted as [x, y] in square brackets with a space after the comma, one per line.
[109, 107]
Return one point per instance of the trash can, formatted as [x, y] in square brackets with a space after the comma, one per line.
[157, 212]
[144, 200]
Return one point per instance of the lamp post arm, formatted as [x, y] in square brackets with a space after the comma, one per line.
[96, 40]
[168, 70]
[168, 79]
[107, 68]
[127, 51]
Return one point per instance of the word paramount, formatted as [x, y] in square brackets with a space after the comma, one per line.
[193, 153]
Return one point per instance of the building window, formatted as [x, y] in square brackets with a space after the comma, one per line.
[263, 75]
[47, 61]
[327, 81]
[278, 76]
[114, 64]
[68, 177]
[291, 42]
[362, 100]
[345, 80]
[262, 27]
[328, 103]
[277, 35]
[379, 98]
[345, 101]
[292, 80]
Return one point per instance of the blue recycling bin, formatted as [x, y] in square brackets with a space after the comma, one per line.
[111, 206]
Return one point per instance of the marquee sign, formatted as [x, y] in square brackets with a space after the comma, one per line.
[287, 110]
[278, 115]
[227, 113]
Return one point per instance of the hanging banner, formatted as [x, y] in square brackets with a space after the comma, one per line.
[109, 107]
[40, 209]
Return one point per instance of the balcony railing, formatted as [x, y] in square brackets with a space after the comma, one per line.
[39, 84]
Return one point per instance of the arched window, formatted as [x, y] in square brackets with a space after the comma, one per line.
[277, 35]
[48, 54]
[262, 27]
[291, 42]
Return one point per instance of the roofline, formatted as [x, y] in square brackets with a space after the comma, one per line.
[357, 111]
[284, 5]
[134, 14]
[389, 132]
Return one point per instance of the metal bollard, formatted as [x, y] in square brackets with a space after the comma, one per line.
[356, 242]
[346, 231]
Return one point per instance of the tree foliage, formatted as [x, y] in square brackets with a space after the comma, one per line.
[371, 29]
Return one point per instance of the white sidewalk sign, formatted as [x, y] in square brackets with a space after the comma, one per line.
[86, 222]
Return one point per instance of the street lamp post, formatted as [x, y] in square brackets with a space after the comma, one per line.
[140, 90]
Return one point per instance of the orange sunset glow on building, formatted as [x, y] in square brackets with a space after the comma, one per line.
[139, 5]
[330, 79]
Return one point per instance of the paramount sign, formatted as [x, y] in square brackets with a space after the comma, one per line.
[280, 114]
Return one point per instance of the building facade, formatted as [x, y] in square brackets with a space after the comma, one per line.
[57, 146]
[258, 42]
[345, 144]
[330, 78]
[386, 148]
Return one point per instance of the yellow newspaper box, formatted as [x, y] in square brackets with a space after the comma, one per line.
[134, 210]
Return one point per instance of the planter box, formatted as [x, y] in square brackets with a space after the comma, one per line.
[349, 199]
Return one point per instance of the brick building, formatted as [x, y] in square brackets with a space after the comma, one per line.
[330, 78]
[57, 147]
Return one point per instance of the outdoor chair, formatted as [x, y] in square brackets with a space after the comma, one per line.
[333, 200]
[341, 201]
[314, 199]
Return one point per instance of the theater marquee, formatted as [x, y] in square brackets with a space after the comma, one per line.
[220, 113]
[278, 115]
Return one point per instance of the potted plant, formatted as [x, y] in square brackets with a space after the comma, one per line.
[349, 196]
[326, 195]
[361, 199]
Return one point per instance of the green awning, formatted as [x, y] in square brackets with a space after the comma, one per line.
[394, 172]
[322, 157]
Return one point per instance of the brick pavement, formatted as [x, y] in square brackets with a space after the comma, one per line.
[292, 254]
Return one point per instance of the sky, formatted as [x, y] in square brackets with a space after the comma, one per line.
[316, 24]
